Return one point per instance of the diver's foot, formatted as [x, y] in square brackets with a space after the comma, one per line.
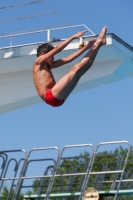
[101, 40]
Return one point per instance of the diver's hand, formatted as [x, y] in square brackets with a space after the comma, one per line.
[79, 34]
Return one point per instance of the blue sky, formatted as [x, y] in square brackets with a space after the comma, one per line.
[93, 116]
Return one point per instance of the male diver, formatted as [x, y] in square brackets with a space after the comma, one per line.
[55, 93]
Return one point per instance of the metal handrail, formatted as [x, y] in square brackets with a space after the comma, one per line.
[85, 174]
[48, 30]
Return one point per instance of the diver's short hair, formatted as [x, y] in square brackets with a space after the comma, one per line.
[44, 48]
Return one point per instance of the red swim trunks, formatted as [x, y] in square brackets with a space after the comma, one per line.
[51, 100]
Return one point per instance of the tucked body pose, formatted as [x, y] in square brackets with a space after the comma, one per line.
[55, 93]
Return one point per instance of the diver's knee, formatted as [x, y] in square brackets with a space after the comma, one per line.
[76, 68]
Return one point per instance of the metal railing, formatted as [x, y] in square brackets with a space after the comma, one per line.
[47, 30]
[80, 172]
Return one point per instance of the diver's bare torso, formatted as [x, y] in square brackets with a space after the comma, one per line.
[43, 78]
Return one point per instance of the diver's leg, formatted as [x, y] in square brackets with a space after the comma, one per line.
[77, 80]
[65, 85]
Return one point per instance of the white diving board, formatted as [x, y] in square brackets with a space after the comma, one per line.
[114, 62]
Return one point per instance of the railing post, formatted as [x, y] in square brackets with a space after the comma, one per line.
[10, 41]
[20, 180]
[48, 35]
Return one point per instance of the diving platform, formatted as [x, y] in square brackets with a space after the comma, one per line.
[114, 62]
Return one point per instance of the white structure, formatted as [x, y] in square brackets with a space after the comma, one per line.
[113, 62]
